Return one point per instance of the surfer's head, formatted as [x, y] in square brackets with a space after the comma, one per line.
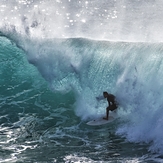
[105, 94]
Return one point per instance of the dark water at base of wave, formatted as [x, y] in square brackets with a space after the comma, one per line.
[64, 138]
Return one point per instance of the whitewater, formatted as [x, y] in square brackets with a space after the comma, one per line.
[57, 58]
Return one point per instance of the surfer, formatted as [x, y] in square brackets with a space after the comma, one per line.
[112, 103]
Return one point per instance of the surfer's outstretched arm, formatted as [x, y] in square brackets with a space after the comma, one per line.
[100, 98]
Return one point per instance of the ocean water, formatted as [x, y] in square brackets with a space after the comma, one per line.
[57, 57]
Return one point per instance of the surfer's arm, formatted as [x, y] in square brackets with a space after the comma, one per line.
[100, 98]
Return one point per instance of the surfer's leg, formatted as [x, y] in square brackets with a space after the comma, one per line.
[113, 107]
[107, 114]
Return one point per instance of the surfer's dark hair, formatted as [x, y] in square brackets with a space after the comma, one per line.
[105, 93]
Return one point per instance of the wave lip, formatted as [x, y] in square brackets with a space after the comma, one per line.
[123, 21]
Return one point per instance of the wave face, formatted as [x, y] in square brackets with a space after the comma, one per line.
[79, 70]
[131, 71]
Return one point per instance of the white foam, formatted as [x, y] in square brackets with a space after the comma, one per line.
[118, 20]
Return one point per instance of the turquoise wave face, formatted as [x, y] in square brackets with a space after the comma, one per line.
[23, 90]
[27, 106]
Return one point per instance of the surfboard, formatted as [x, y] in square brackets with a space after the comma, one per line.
[100, 121]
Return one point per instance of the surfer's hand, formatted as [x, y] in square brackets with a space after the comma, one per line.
[99, 98]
